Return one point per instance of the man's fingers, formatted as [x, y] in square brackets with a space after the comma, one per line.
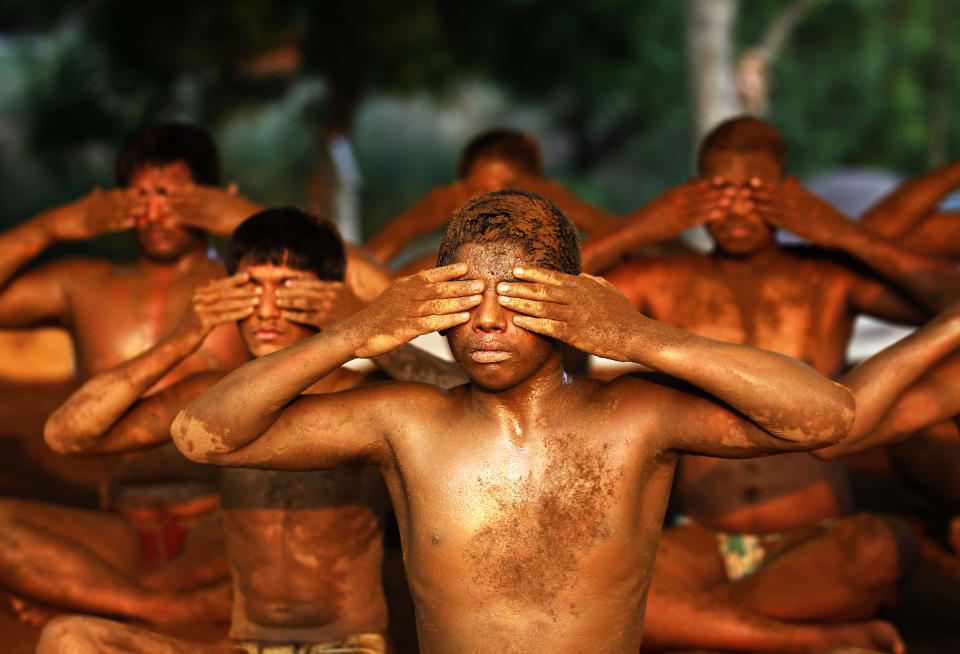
[451, 289]
[448, 305]
[546, 292]
[312, 284]
[540, 275]
[232, 316]
[536, 308]
[231, 305]
[444, 273]
[303, 302]
[311, 318]
[545, 326]
[437, 323]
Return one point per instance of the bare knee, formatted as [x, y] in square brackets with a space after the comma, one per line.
[69, 634]
[872, 550]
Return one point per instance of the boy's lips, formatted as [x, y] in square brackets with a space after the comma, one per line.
[490, 356]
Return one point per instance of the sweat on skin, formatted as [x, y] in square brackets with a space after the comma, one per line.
[487, 478]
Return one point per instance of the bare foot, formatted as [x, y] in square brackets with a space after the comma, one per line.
[873, 636]
[32, 614]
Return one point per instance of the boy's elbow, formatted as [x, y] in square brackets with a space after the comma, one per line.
[839, 414]
[192, 439]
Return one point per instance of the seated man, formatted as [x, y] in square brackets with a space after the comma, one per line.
[167, 176]
[797, 301]
[305, 548]
[114, 312]
[493, 160]
[529, 501]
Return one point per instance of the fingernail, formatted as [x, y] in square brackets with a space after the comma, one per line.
[504, 299]
[503, 288]
[518, 271]
[477, 286]
[475, 298]
[517, 319]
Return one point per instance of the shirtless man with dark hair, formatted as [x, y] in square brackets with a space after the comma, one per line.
[793, 510]
[305, 548]
[167, 175]
[529, 501]
[493, 160]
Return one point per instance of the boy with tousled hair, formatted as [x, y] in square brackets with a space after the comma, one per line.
[305, 548]
[754, 530]
[496, 159]
[527, 494]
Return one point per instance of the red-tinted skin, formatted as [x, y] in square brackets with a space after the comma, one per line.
[751, 291]
[528, 494]
[305, 548]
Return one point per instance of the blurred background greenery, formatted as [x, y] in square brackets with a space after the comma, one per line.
[605, 85]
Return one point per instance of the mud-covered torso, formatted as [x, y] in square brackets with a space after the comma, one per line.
[306, 551]
[795, 305]
[511, 540]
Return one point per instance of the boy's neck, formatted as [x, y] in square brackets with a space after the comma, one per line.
[520, 407]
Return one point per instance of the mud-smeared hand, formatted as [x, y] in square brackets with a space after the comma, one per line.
[412, 306]
[694, 203]
[210, 208]
[584, 311]
[317, 303]
[98, 212]
[217, 302]
[791, 207]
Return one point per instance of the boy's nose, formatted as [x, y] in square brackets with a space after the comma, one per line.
[489, 316]
[267, 307]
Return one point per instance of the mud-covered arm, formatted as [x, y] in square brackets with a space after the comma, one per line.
[431, 212]
[86, 422]
[931, 283]
[889, 397]
[251, 417]
[792, 404]
[411, 363]
[669, 214]
[899, 213]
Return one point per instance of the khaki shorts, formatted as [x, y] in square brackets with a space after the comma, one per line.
[357, 644]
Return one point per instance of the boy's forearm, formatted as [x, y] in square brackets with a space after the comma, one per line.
[245, 403]
[643, 227]
[898, 213]
[23, 243]
[879, 381]
[783, 396]
[410, 363]
[932, 283]
[88, 415]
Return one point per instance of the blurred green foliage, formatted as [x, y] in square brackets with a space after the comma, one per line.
[602, 84]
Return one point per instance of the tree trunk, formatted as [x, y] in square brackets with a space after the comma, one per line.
[710, 52]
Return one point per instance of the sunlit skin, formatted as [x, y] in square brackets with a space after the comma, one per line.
[799, 302]
[433, 211]
[305, 548]
[528, 494]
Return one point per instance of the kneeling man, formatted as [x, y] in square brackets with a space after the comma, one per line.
[529, 501]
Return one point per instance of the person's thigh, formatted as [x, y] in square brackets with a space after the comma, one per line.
[106, 534]
[845, 572]
[688, 553]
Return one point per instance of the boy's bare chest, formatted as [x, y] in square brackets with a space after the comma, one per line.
[795, 313]
[520, 521]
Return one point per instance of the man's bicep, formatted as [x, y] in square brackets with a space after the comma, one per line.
[38, 297]
[319, 432]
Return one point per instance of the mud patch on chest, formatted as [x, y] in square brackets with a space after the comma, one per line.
[546, 522]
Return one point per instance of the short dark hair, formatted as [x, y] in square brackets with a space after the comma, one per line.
[512, 145]
[288, 236]
[169, 143]
[744, 134]
[526, 219]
